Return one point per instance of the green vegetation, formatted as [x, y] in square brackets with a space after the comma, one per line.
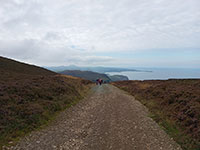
[31, 96]
[174, 105]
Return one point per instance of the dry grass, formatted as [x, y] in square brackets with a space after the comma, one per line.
[31, 97]
[174, 104]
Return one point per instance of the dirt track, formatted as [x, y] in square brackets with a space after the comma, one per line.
[107, 119]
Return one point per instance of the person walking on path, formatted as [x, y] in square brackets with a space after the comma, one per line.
[100, 81]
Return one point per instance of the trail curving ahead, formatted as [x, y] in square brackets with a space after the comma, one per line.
[107, 118]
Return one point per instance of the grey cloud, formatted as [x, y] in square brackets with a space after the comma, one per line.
[67, 31]
[20, 49]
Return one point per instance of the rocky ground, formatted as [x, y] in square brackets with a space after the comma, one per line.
[107, 118]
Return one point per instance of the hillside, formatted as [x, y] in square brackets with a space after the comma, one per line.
[174, 104]
[89, 75]
[92, 76]
[30, 96]
[118, 78]
[10, 65]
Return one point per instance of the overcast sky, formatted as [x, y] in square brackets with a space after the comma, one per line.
[126, 33]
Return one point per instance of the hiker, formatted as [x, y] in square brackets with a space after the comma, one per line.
[100, 81]
[97, 81]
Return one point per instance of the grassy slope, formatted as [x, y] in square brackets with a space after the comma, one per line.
[174, 104]
[10, 65]
[30, 96]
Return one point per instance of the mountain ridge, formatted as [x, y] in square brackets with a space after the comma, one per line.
[98, 69]
[11, 65]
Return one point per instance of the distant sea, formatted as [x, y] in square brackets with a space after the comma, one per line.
[160, 74]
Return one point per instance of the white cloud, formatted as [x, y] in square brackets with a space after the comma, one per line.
[49, 31]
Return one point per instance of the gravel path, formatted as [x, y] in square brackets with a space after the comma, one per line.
[107, 119]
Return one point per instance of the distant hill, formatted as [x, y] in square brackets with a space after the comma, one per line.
[89, 75]
[118, 78]
[30, 96]
[94, 69]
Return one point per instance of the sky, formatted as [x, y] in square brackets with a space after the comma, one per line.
[118, 33]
